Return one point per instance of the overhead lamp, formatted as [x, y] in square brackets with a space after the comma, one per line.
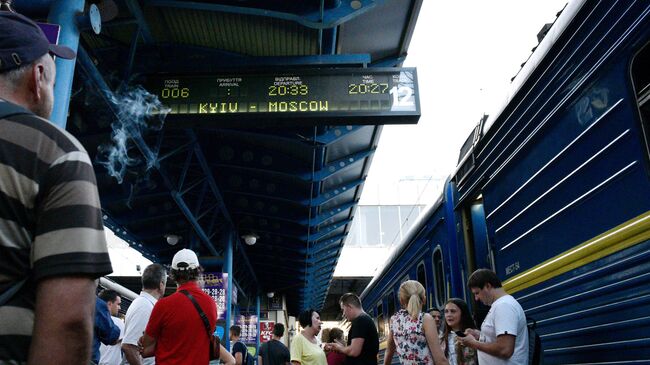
[250, 238]
[270, 294]
[173, 239]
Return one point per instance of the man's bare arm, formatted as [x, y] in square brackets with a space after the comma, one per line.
[63, 321]
[225, 356]
[148, 344]
[503, 347]
[354, 350]
[132, 354]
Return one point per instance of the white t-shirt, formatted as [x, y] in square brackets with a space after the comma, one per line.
[505, 317]
[112, 355]
[135, 322]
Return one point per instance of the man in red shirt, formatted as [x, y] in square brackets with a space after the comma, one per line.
[176, 333]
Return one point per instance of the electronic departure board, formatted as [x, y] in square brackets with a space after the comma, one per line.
[319, 96]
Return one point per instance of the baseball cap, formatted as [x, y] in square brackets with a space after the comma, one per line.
[22, 42]
[185, 259]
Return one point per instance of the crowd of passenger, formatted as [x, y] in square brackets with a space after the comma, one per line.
[53, 250]
[421, 337]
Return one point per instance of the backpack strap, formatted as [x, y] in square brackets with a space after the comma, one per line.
[245, 358]
[204, 317]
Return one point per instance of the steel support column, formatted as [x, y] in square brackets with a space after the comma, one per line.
[229, 270]
[257, 342]
[64, 13]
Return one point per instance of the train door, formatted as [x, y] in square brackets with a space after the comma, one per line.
[382, 321]
[478, 250]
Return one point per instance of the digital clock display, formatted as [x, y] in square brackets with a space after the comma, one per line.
[330, 96]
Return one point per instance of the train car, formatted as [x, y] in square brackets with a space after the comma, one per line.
[553, 193]
[418, 257]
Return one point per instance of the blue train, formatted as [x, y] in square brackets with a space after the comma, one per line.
[553, 193]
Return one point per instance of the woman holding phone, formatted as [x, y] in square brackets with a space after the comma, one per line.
[457, 319]
[413, 333]
[333, 357]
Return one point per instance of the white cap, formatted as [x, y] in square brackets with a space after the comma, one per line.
[185, 259]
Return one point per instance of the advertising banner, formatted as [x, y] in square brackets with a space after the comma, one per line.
[266, 330]
[215, 284]
[51, 32]
[248, 324]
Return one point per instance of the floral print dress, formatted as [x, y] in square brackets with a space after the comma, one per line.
[410, 343]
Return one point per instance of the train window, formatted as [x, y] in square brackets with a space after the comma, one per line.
[438, 278]
[641, 81]
[406, 277]
[422, 277]
[391, 304]
[381, 321]
[422, 274]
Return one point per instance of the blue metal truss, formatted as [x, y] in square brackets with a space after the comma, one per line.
[316, 19]
[143, 28]
[334, 192]
[328, 216]
[324, 231]
[336, 133]
[335, 166]
[176, 190]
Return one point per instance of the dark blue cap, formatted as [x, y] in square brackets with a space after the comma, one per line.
[22, 42]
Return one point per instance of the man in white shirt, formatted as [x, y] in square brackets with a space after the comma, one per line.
[503, 338]
[154, 280]
[112, 354]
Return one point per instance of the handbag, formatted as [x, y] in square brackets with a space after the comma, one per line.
[214, 341]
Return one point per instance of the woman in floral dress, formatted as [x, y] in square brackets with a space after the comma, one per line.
[413, 333]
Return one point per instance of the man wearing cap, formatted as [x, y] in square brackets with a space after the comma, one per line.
[176, 333]
[52, 244]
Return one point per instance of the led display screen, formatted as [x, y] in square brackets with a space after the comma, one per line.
[333, 96]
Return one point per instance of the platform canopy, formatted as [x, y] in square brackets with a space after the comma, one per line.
[294, 186]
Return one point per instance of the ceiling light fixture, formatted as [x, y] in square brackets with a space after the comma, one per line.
[173, 239]
[250, 238]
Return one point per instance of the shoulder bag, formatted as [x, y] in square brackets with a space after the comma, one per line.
[215, 342]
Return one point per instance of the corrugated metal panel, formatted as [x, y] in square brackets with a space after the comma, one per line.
[241, 34]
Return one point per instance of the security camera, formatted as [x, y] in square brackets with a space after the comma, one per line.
[250, 239]
[270, 294]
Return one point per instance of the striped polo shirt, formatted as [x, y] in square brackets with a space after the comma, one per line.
[50, 219]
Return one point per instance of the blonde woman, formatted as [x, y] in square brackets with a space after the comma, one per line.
[413, 333]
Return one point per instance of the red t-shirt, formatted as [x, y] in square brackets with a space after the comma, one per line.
[335, 358]
[180, 334]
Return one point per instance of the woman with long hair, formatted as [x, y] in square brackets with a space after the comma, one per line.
[413, 333]
[457, 320]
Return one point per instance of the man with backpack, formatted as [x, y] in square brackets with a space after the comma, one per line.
[238, 349]
[274, 352]
[503, 339]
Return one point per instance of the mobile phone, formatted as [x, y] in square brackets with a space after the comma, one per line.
[460, 333]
